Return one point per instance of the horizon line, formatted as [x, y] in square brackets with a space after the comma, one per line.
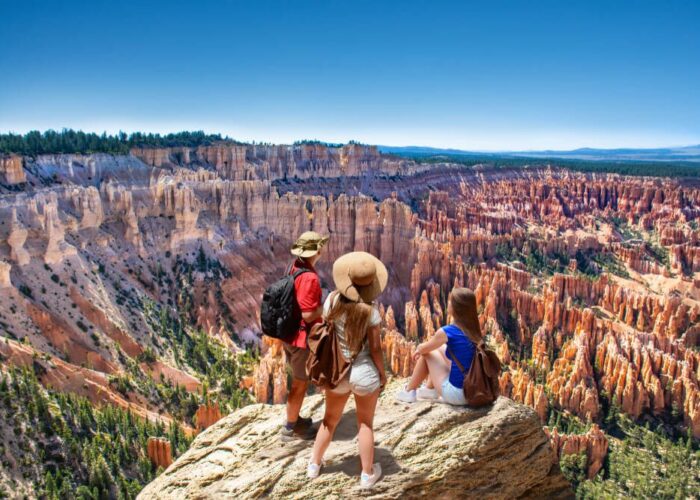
[379, 144]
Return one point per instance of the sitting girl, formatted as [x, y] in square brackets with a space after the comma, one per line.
[435, 358]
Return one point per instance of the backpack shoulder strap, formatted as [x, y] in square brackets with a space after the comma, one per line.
[298, 272]
[454, 358]
[330, 300]
[477, 347]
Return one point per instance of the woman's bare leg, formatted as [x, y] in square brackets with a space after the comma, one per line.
[420, 373]
[365, 428]
[438, 367]
[335, 404]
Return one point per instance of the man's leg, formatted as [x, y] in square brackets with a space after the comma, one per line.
[296, 359]
[295, 399]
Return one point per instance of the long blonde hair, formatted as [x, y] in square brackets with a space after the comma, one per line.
[464, 313]
[356, 321]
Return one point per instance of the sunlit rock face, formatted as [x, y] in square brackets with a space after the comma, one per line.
[12, 170]
[257, 162]
[588, 285]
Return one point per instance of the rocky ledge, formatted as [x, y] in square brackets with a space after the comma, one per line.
[425, 449]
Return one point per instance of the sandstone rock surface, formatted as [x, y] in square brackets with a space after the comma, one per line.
[5, 269]
[11, 170]
[426, 449]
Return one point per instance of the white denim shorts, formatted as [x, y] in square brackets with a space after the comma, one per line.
[362, 380]
[452, 395]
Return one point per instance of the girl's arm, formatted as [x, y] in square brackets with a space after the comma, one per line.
[437, 340]
[375, 349]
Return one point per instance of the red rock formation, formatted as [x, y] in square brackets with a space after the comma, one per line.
[206, 415]
[572, 381]
[67, 340]
[518, 386]
[645, 377]
[593, 444]
[270, 376]
[637, 258]
[685, 258]
[159, 452]
[398, 350]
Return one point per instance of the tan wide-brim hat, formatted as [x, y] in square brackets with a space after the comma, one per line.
[308, 244]
[360, 276]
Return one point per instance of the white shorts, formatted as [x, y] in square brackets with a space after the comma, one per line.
[452, 395]
[362, 380]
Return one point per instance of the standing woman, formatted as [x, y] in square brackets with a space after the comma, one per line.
[359, 278]
[435, 358]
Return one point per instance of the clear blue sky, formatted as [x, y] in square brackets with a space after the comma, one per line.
[490, 75]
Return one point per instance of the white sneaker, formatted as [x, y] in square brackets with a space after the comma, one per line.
[406, 396]
[424, 393]
[313, 470]
[367, 481]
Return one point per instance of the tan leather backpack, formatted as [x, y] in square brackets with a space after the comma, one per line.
[326, 365]
[480, 384]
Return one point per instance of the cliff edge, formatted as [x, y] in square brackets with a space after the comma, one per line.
[425, 449]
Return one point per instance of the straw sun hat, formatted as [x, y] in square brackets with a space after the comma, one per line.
[308, 244]
[360, 276]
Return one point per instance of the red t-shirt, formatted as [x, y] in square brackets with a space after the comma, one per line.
[307, 288]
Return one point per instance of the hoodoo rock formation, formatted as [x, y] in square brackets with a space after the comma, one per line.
[593, 444]
[425, 450]
[160, 452]
[207, 415]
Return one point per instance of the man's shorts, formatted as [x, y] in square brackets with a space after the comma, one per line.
[296, 359]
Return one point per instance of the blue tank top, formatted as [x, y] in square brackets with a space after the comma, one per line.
[463, 348]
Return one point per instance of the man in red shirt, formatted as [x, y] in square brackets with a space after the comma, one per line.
[307, 288]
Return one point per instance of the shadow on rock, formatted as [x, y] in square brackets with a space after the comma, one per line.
[347, 427]
[350, 465]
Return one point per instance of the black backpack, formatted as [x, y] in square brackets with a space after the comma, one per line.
[280, 315]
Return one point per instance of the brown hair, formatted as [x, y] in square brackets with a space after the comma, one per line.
[356, 322]
[464, 312]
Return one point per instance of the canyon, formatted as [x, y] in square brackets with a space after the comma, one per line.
[124, 278]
